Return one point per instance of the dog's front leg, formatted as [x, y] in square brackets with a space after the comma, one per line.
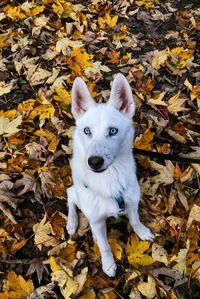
[100, 234]
[132, 198]
[72, 219]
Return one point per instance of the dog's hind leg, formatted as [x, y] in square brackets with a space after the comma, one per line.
[132, 198]
[72, 220]
[100, 233]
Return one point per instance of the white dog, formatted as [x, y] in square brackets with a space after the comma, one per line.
[103, 167]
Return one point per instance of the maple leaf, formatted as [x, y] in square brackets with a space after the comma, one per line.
[159, 59]
[107, 21]
[143, 141]
[44, 234]
[37, 266]
[16, 287]
[194, 215]
[166, 173]
[175, 104]
[29, 184]
[159, 254]
[63, 277]
[148, 289]
[10, 127]
[49, 136]
[5, 87]
[115, 247]
[63, 97]
[43, 111]
[136, 252]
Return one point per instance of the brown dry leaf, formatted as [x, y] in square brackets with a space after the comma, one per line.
[83, 225]
[36, 151]
[38, 77]
[16, 287]
[194, 215]
[17, 245]
[143, 141]
[27, 181]
[58, 222]
[183, 199]
[8, 197]
[50, 137]
[44, 234]
[166, 173]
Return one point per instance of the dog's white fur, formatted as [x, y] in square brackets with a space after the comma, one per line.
[94, 193]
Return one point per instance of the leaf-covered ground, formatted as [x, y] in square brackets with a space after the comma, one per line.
[44, 45]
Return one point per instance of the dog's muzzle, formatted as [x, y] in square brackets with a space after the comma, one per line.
[96, 163]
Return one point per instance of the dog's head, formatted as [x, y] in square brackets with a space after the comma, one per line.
[105, 130]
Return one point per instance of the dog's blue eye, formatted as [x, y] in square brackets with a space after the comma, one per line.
[113, 131]
[87, 131]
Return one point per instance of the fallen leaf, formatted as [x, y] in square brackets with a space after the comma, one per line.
[148, 289]
[159, 254]
[136, 252]
[9, 127]
[16, 287]
[5, 87]
[194, 215]
[44, 234]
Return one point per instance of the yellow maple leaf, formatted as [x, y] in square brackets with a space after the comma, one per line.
[37, 10]
[107, 21]
[136, 249]
[14, 12]
[43, 111]
[16, 287]
[115, 247]
[146, 3]
[58, 9]
[26, 106]
[63, 96]
[11, 114]
[158, 99]
[88, 295]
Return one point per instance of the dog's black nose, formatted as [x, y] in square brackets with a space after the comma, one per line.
[95, 162]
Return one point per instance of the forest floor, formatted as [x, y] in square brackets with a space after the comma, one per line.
[44, 46]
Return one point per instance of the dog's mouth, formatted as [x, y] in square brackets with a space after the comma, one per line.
[98, 170]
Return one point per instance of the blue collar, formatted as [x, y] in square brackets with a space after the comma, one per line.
[120, 201]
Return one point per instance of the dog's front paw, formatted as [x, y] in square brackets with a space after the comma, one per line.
[144, 232]
[108, 265]
[72, 223]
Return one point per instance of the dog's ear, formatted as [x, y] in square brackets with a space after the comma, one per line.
[121, 96]
[81, 98]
